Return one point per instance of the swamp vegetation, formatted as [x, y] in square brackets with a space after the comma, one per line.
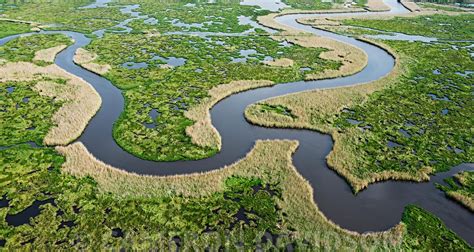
[418, 123]
[63, 15]
[443, 27]
[429, 127]
[153, 125]
[8, 28]
[461, 188]
[43, 208]
[25, 115]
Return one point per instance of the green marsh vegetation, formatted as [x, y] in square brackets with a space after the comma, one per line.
[73, 213]
[278, 109]
[461, 188]
[319, 4]
[24, 48]
[65, 15]
[445, 27]
[445, 7]
[25, 115]
[421, 121]
[8, 28]
[426, 232]
[158, 95]
[308, 4]
[416, 124]
[221, 16]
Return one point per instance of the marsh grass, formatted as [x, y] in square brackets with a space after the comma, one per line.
[426, 232]
[352, 59]
[81, 100]
[334, 108]
[24, 48]
[174, 92]
[84, 58]
[410, 5]
[296, 199]
[282, 62]
[317, 110]
[65, 15]
[461, 188]
[443, 25]
[377, 5]
[202, 132]
[10, 27]
[48, 55]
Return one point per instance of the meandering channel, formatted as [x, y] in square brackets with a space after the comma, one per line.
[377, 208]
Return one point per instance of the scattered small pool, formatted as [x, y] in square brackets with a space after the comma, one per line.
[151, 21]
[392, 144]
[465, 74]
[172, 61]
[23, 217]
[135, 65]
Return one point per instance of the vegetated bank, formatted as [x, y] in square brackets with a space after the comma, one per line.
[461, 188]
[380, 136]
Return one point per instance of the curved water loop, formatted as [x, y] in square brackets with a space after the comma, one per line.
[378, 207]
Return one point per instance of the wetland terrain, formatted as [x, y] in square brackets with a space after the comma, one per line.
[254, 125]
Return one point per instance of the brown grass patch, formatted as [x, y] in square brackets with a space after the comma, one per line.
[202, 132]
[377, 5]
[352, 58]
[48, 55]
[463, 199]
[71, 119]
[269, 20]
[411, 6]
[84, 58]
[282, 62]
[268, 160]
[19, 21]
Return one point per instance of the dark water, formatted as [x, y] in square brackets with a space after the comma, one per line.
[377, 208]
[23, 217]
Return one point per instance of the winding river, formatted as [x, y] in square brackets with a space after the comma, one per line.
[377, 208]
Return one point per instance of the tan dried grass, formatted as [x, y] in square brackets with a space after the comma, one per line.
[269, 20]
[463, 199]
[377, 5]
[202, 132]
[71, 119]
[282, 62]
[411, 6]
[268, 160]
[84, 58]
[48, 55]
[19, 21]
[352, 58]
